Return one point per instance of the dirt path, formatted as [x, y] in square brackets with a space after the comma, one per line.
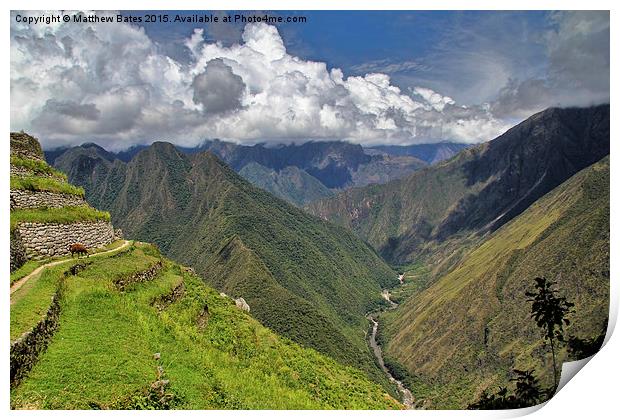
[408, 400]
[19, 283]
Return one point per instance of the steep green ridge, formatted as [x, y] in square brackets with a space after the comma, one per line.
[427, 214]
[290, 183]
[297, 173]
[306, 279]
[439, 333]
[92, 168]
[214, 355]
[430, 153]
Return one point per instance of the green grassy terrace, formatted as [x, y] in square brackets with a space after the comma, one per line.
[38, 167]
[63, 215]
[214, 355]
[32, 265]
[35, 183]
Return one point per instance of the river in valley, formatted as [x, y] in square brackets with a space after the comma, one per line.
[372, 341]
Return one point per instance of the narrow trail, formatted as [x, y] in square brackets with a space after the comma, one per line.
[408, 400]
[36, 272]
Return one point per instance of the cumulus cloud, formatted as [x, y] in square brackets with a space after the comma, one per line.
[218, 89]
[112, 84]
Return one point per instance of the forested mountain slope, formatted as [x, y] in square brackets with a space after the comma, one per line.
[467, 331]
[475, 192]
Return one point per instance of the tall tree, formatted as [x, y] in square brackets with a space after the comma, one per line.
[550, 312]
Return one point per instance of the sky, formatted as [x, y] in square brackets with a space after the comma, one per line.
[368, 77]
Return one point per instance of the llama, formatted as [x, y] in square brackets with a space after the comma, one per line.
[79, 249]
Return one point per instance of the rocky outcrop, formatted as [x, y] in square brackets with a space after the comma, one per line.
[51, 239]
[242, 304]
[149, 274]
[26, 349]
[24, 199]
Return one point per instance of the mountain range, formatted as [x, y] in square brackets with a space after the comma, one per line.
[468, 234]
[298, 173]
[476, 191]
[306, 279]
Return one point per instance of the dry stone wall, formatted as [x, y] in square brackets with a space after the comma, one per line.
[162, 302]
[123, 282]
[25, 350]
[18, 252]
[51, 239]
[24, 199]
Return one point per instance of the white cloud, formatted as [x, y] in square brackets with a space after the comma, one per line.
[111, 84]
[577, 74]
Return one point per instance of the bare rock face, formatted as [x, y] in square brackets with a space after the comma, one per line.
[242, 304]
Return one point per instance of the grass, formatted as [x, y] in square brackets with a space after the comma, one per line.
[27, 268]
[63, 215]
[30, 302]
[310, 281]
[36, 166]
[34, 183]
[33, 299]
[32, 265]
[102, 354]
[417, 277]
[473, 325]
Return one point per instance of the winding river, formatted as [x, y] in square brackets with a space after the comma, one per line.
[372, 341]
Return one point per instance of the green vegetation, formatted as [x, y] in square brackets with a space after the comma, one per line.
[213, 354]
[550, 312]
[26, 269]
[39, 167]
[35, 183]
[291, 183]
[32, 265]
[62, 215]
[527, 393]
[429, 215]
[30, 303]
[308, 280]
[417, 277]
[475, 321]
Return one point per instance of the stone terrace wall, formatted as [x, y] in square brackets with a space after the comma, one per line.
[46, 240]
[18, 252]
[26, 349]
[24, 199]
